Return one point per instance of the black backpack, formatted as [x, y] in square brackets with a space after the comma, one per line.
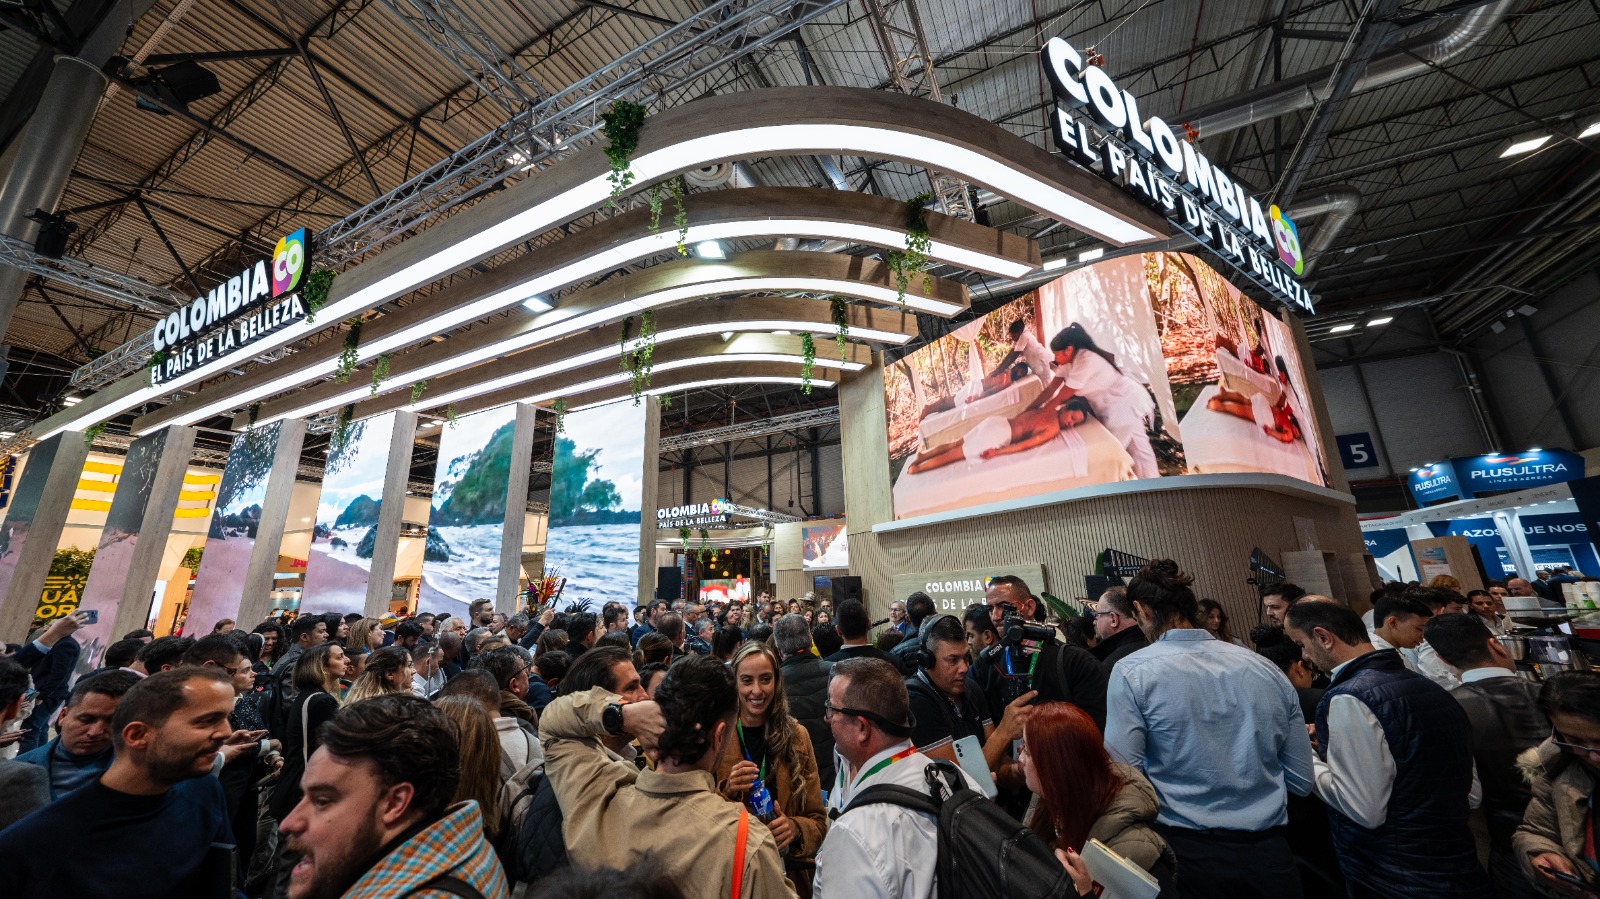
[530, 846]
[983, 852]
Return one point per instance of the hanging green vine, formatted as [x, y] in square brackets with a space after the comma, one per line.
[706, 549]
[417, 389]
[636, 360]
[839, 308]
[622, 123]
[680, 213]
[156, 360]
[560, 409]
[664, 400]
[341, 429]
[315, 292]
[349, 355]
[93, 432]
[808, 356]
[683, 536]
[251, 414]
[380, 372]
[914, 258]
[450, 415]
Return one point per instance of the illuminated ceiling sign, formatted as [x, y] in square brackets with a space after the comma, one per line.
[693, 515]
[236, 313]
[1151, 162]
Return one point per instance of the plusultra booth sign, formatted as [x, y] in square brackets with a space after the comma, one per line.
[235, 314]
[1150, 161]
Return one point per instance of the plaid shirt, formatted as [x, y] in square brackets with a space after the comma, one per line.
[453, 845]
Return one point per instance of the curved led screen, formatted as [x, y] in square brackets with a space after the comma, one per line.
[1144, 366]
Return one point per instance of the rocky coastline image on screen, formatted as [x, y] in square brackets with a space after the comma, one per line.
[346, 528]
[119, 537]
[467, 516]
[24, 505]
[990, 412]
[232, 538]
[986, 413]
[1235, 375]
[596, 496]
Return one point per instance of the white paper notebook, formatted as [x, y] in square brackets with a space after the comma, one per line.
[1121, 878]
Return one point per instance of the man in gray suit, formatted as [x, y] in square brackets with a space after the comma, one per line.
[26, 787]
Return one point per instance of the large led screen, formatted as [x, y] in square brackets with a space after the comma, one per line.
[1143, 366]
[346, 530]
[232, 537]
[467, 518]
[824, 546]
[596, 496]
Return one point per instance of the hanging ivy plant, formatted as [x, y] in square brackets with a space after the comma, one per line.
[341, 429]
[839, 308]
[624, 358]
[380, 372]
[914, 258]
[636, 360]
[450, 415]
[251, 414]
[93, 432]
[560, 408]
[417, 389]
[683, 536]
[680, 216]
[706, 549]
[808, 356]
[349, 355]
[664, 400]
[315, 291]
[156, 360]
[621, 129]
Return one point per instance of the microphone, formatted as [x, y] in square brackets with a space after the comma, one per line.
[880, 622]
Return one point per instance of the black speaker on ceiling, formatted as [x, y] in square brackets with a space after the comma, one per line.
[669, 583]
[846, 587]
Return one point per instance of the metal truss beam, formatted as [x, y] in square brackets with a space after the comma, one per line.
[89, 278]
[794, 421]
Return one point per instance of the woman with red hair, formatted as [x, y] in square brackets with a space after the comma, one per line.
[1084, 795]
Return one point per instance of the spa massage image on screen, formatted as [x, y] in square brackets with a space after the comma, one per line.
[1068, 386]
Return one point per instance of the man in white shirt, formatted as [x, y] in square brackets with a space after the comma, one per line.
[1398, 622]
[1394, 765]
[427, 676]
[876, 851]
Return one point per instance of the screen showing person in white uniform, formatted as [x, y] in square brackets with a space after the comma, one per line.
[1119, 402]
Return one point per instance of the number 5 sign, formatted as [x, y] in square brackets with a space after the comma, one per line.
[1356, 450]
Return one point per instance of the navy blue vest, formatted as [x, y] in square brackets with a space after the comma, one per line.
[1423, 848]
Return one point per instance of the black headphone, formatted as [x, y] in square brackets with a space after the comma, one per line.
[922, 654]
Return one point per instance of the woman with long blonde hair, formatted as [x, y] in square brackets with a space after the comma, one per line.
[769, 745]
[480, 758]
[367, 632]
[388, 671]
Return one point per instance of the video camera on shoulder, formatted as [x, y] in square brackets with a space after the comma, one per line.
[1016, 656]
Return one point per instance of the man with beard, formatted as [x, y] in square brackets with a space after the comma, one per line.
[376, 818]
[156, 819]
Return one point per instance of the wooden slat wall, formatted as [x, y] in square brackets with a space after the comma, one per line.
[1210, 532]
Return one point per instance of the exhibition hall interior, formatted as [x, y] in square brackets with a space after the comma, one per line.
[699, 315]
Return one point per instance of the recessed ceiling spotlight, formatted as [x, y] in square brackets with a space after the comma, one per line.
[710, 249]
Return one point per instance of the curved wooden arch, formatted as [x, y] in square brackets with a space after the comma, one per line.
[741, 315]
[722, 369]
[614, 242]
[777, 121]
[609, 302]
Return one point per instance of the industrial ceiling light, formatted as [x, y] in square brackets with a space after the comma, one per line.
[71, 400]
[1091, 255]
[1527, 143]
[710, 249]
[1340, 329]
[1054, 264]
[1380, 321]
[537, 304]
[1591, 131]
[1497, 327]
[1526, 309]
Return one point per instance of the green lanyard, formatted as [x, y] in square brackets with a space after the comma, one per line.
[739, 726]
[884, 764]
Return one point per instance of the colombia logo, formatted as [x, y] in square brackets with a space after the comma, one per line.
[288, 263]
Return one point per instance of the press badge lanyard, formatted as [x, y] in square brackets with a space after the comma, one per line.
[738, 726]
[882, 765]
[1033, 661]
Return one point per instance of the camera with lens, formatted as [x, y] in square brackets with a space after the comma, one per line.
[1016, 656]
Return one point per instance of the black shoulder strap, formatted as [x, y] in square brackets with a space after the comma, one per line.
[455, 886]
[890, 794]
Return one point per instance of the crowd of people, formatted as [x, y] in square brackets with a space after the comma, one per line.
[784, 749]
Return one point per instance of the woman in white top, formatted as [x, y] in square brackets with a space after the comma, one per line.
[1120, 403]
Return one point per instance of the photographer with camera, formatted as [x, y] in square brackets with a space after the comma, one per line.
[1030, 658]
[947, 706]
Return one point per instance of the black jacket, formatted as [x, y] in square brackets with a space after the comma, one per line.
[1506, 720]
[1118, 646]
[805, 685]
[867, 651]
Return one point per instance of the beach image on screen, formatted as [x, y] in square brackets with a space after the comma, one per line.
[232, 536]
[596, 496]
[346, 529]
[467, 516]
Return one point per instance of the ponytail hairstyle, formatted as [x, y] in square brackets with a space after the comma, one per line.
[696, 695]
[1075, 337]
[1164, 590]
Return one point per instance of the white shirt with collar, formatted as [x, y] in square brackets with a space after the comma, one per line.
[1358, 775]
[879, 851]
[1474, 675]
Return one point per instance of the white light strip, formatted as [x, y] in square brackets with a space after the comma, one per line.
[710, 382]
[770, 140]
[561, 326]
[433, 400]
[621, 377]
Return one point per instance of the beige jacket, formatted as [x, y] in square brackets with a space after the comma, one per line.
[615, 814]
[1125, 824]
[1557, 815]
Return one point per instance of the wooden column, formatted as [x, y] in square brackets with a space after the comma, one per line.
[647, 521]
[391, 512]
[228, 586]
[507, 597]
[34, 520]
[127, 562]
[864, 457]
